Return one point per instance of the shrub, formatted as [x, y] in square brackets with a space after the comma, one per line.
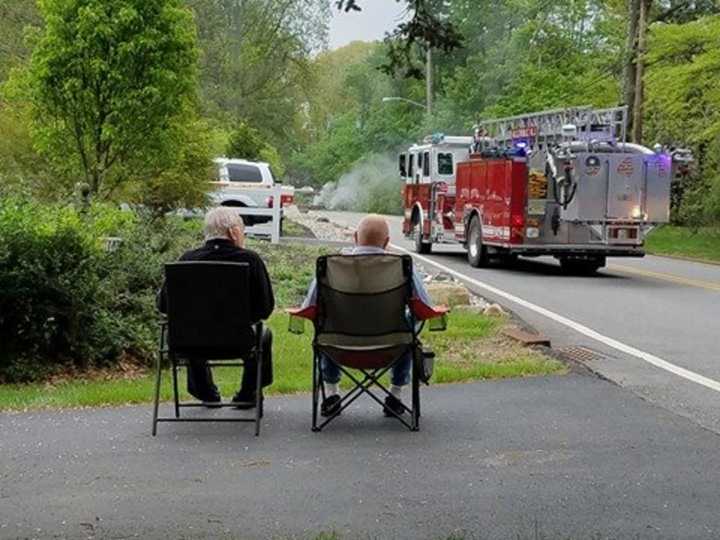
[65, 300]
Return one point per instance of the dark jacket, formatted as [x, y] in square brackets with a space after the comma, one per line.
[263, 301]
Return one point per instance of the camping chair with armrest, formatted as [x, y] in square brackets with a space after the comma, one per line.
[366, 320]
[208, 318]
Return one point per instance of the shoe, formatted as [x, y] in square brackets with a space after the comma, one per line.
[244, 400]
[211, 399]
[393, 405]
[330, 406]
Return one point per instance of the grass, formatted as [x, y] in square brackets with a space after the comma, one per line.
[703, 244]
[470, 349]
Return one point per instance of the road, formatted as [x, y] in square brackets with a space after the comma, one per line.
[651, 325]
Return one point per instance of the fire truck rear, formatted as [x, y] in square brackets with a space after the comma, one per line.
[562, 183]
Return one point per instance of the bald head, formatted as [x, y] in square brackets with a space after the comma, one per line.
[373, 231]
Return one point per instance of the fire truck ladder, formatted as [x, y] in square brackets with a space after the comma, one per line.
[546, 127]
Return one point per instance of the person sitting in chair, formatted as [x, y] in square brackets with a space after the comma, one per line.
[371, 237]
[224, 241]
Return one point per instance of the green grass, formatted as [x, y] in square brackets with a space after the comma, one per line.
[468, 350]
[702, 244]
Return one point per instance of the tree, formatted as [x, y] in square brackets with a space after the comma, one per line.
[109, 77]
[247, 143]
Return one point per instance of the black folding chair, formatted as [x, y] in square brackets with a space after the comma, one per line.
[363, 323]
[208, 317]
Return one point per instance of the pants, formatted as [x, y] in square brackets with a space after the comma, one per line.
[200, 380]
[399, 374]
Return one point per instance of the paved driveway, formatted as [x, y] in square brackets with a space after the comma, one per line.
[553, 457]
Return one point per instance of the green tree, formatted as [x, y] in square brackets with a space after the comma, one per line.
[247, 143]
[683, 106]
[109, 77]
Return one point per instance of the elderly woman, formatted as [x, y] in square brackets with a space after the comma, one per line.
[224, 241]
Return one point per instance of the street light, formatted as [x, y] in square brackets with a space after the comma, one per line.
[397, 98]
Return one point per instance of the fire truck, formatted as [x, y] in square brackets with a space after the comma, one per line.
[563, 183]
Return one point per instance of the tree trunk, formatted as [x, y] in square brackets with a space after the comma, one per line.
[631, 58]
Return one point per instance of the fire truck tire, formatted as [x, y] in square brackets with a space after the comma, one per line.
[477, 251]
[423, 248]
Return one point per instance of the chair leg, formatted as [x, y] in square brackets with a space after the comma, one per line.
[315, 392]
[258, 391]
[156, 405]
[415, 401]
[176, 393]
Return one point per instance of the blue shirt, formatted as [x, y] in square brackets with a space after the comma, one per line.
[417, 284]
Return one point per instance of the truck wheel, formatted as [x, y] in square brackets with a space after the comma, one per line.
[477, 252]
[421, 247]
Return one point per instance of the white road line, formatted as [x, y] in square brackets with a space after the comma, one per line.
[589, 332]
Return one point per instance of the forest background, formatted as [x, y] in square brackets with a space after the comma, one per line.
[254, 78]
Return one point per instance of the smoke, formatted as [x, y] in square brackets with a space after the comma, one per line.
[373, 185]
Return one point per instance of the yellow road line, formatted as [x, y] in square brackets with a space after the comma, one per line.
[709, 285]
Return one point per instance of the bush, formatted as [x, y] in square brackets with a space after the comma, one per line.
[64, 300]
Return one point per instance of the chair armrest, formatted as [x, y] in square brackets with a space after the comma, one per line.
[436, 315]
[296, 324]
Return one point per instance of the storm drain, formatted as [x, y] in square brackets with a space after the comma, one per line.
[581, 354]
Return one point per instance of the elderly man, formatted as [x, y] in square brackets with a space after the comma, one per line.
[371, 237]
[224, 241]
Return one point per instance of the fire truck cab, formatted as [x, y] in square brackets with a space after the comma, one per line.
[429, 171]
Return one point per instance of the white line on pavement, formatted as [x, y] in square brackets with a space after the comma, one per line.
[589, 332]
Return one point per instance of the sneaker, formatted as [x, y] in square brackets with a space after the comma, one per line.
[393, 405]
[330, 405]
[244, 400]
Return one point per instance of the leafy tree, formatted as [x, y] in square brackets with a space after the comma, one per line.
[247, 143]
[109, 77]
[683, 105]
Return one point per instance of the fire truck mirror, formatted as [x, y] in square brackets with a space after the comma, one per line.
[403, 170]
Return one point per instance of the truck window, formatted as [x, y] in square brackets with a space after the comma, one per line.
[426, 164]
[445, 163]
[411, 167]
[243, 173]
[401, 166]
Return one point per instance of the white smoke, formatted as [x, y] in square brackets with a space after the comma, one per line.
[373, 185]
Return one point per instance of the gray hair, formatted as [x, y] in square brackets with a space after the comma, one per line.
[220, 220]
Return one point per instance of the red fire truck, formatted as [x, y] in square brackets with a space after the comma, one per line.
[562, 183]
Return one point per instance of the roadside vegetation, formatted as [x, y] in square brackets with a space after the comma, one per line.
[471, 350]
[79, 326]
[701, 244]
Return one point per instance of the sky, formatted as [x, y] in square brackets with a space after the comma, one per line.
[376, 18]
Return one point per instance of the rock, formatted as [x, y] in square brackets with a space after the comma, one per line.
[442, 277]
[494, 310]
[322, 219]
[449, 294]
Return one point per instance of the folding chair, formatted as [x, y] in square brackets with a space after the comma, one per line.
[208, 317]
[363, 323]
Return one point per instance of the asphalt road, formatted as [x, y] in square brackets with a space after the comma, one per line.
[571, 457]
[666, 308]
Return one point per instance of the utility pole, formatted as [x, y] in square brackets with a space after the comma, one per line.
[429, 79]
[630, 62]
[637, 123]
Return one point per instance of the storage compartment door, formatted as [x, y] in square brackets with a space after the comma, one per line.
[625, 185]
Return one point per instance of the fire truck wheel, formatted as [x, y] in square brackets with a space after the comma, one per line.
[423, 248]
[477, 252]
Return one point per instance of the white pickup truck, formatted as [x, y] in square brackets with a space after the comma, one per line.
[242, 183]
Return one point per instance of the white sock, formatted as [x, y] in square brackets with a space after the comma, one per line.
[332, 389]
[396, 391]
